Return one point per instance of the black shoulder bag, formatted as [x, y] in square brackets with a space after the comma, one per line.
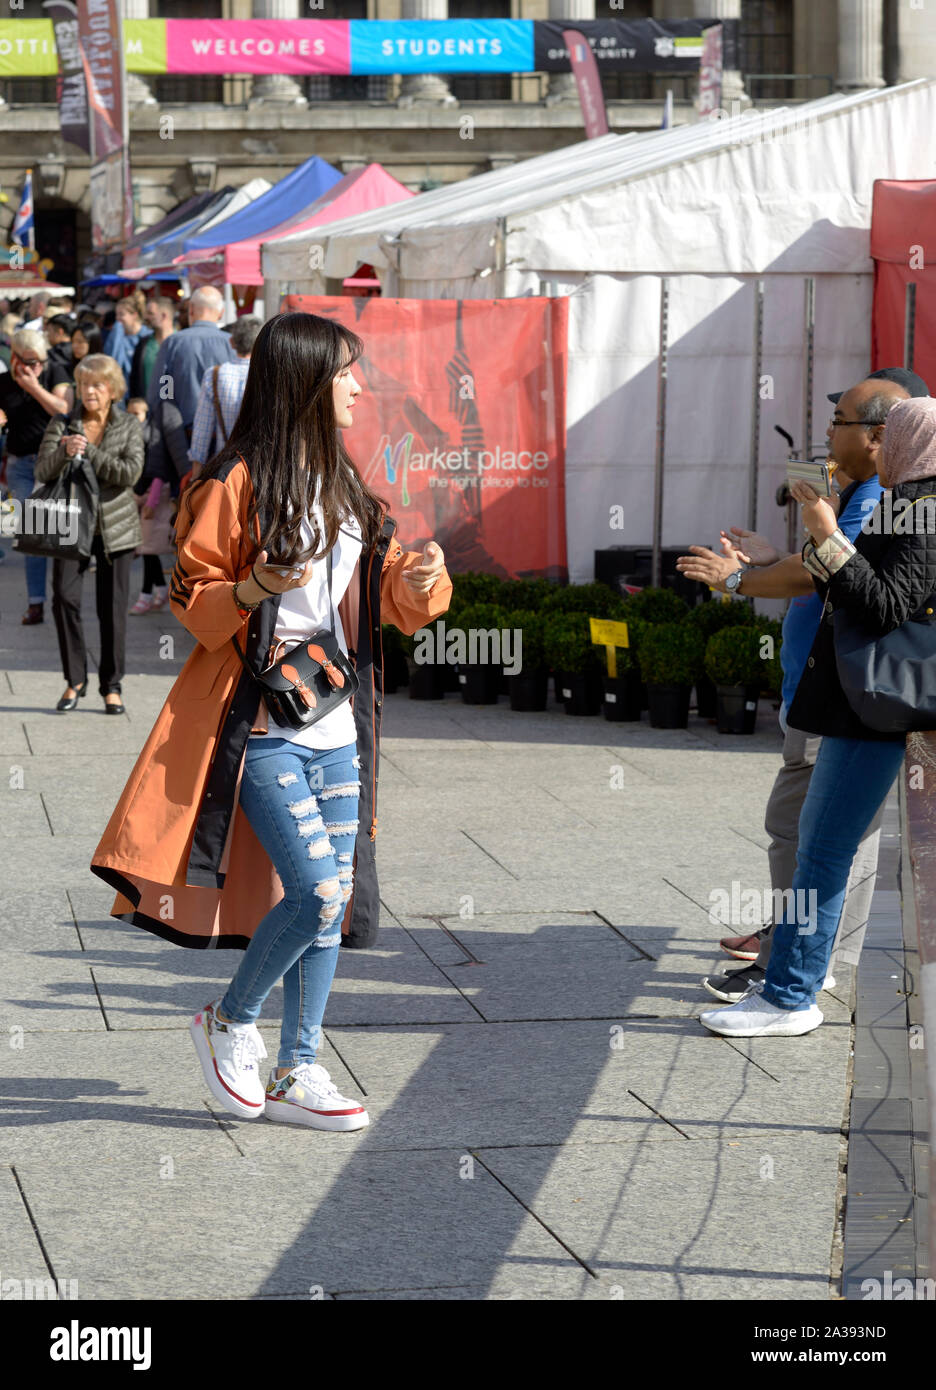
[889, 680]
[310, 680]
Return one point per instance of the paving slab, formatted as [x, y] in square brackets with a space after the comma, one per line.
[39, 993]
[325, 1222]
[628, 1212]
[531, 1083]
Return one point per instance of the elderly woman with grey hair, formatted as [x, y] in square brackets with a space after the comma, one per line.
[884, 579]
[100, 430]
[31, 392]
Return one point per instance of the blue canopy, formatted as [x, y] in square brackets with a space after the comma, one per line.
[291, 195]
[163, 249]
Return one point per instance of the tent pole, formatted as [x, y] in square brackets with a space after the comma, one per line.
[500, 253]
[662, 370]
[809, 348]
[909, 324]
[756, 400]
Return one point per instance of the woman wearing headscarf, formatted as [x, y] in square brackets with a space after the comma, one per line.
[885, 578]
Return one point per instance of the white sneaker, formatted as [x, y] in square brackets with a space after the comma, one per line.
[308, 1096]
[229, 1053]
[754, 1017]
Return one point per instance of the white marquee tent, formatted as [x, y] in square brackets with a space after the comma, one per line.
[710, 211]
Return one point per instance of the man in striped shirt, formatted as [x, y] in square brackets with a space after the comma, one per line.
[219, 399]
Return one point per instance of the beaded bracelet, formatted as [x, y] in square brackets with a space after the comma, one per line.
[244, 609]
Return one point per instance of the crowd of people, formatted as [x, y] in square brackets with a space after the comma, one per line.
[124, 390]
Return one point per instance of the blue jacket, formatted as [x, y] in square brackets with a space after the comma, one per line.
[185, 357]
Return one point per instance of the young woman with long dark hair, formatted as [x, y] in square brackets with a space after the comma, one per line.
[234, 831]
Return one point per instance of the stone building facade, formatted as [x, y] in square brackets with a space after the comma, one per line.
[226, 130]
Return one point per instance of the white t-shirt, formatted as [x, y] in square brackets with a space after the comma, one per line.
[304, 611]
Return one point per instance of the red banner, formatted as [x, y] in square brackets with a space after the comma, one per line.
[100, 37]
[588, 83]
[461, 424]
[710, 73]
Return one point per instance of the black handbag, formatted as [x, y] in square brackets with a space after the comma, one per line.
[310, 680]
[59, 518]
[889, 681]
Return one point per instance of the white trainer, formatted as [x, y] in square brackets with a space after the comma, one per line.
[229, 1053]
[755, 1017]
[308, 1096]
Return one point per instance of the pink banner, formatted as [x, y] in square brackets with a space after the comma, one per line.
[710, 73]
[588, 82]
[266, 46]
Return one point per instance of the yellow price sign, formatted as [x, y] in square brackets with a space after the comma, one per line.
[610, 635]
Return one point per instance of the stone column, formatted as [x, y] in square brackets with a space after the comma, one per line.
[732, 83]
[860, 44]
[425, 88]
[562, 86]
[276, 88]
[139, 91]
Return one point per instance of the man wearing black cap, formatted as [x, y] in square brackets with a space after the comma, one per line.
[854, 435]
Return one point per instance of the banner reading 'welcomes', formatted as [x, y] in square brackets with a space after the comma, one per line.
[366, 46]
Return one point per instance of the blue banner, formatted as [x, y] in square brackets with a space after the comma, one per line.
[444, 45]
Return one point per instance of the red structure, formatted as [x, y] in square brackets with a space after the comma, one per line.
[903, 245]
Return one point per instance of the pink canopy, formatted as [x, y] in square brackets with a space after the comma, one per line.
[361, 191]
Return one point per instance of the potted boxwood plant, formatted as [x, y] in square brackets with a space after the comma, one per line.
[709, 618]
[655, 606]
[480, 681]
[426, 678]
[670, 656]
[624, 692]
[576, 662]
[733, 661]
[773, 671]
[529, 687]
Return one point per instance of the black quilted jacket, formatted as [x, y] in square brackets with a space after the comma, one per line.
[890, 579]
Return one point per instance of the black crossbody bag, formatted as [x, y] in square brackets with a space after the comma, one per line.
[310, 680]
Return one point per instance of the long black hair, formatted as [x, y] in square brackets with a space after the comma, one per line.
[287, 417]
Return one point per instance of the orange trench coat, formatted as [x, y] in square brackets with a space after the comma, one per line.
[181, 854]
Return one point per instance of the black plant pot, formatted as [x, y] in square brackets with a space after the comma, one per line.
[426, 682]
[529, 690]
[669, 706]
[705, 698]
[450, 676]
[581, 691]
[622, 696]
[396, 671]
[737, 708]
[479, 685]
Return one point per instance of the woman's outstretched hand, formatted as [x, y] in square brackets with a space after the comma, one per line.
[421, 578]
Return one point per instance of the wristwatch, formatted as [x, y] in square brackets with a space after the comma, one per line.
[732, 583]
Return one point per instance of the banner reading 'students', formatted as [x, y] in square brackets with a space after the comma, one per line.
[461, 423]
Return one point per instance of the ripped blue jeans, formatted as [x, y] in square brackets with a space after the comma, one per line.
[302, 804]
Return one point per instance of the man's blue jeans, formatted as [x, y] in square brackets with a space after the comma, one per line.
[302, 804]
[850, 780]
[21, 475]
